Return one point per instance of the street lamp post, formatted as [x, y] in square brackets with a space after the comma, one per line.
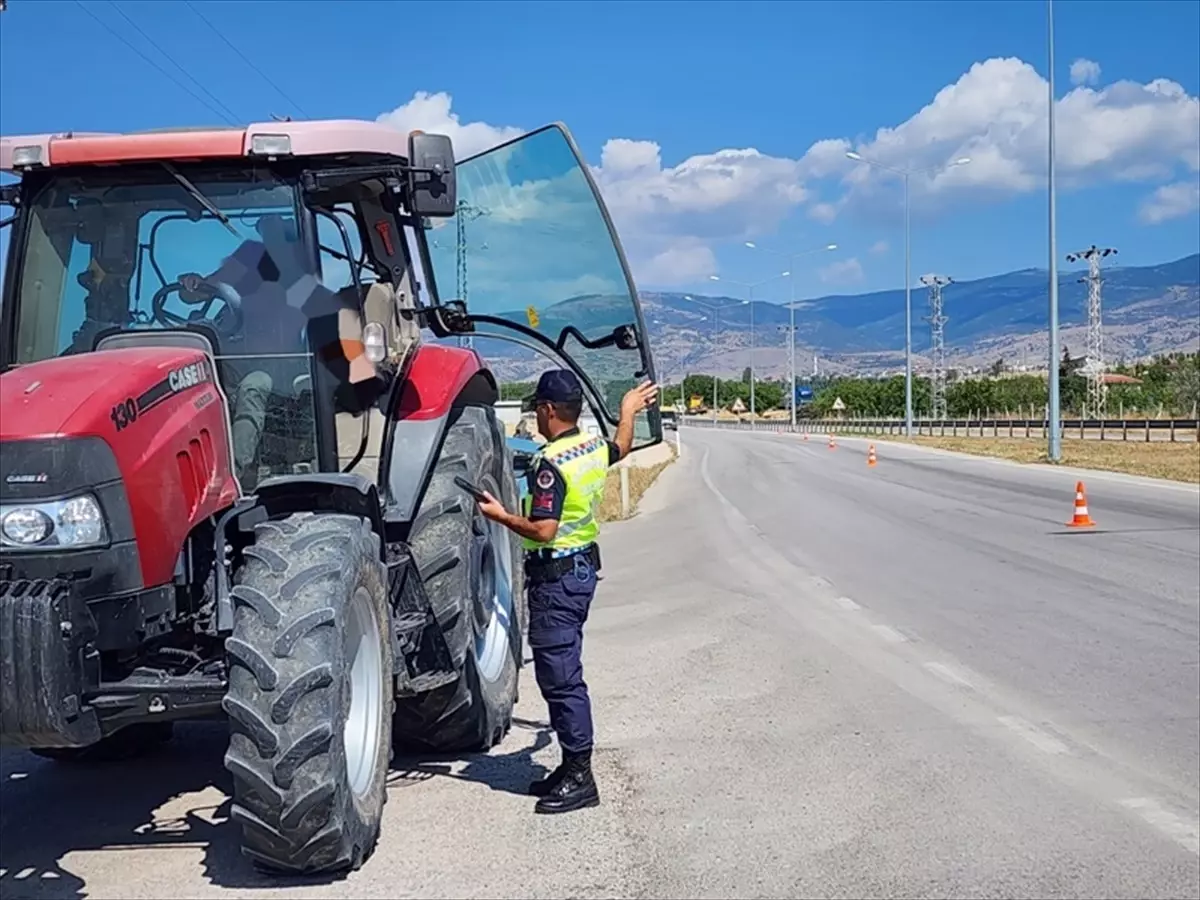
[1054, 449]
[791, 258]
[905, 174]
[750, 300]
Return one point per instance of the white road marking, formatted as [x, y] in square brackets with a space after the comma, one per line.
[1033, 735]
[1176, 827]
[949, 675]
[846, 603]
[891, 635]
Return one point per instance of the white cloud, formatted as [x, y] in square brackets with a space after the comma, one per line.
[996, 115]
[879, 248]
[670, 216]
[431, 113]
[1171, 201]
[844, 271]
[687, 260]
[666, 213]
[1084, 71]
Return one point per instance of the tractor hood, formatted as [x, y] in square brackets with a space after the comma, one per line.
[94, 393]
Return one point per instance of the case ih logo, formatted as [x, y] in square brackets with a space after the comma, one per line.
[39, 478]
[188, 376]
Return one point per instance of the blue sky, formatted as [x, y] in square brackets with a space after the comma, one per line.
[800, 83]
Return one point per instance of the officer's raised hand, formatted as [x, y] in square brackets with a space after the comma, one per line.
[634, 401]
[638, 398]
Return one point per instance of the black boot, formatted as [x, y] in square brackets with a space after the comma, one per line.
[575, 790]
[543, 786]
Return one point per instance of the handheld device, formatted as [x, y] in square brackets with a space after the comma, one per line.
[473, 489]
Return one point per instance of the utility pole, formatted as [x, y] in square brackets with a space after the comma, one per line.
[466, 213]
[1094, 367]
[937, 322]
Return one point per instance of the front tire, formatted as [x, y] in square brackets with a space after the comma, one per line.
[473, 575]
[310, 694]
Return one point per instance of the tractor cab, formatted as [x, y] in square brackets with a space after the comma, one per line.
[233, 242]
[305, 258]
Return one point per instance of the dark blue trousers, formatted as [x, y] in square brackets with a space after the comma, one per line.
[557, 612]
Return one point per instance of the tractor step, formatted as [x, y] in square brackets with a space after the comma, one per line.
[423, 660]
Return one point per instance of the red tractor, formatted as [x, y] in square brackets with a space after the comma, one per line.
[228, 459]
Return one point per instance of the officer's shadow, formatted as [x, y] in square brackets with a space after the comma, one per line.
[509, 772]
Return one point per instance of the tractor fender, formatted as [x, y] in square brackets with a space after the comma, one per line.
[437, 381]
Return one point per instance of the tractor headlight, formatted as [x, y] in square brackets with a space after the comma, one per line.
[54, 524]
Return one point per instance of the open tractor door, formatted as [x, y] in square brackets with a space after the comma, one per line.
[227, 456]
[534, 259]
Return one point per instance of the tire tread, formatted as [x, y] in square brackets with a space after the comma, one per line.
[284, 702]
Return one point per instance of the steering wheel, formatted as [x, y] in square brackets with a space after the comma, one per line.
[228, 321]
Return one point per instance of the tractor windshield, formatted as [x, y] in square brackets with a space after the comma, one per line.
[157, 248]
[531, 252]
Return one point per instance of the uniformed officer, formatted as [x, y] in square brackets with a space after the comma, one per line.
[559, 527]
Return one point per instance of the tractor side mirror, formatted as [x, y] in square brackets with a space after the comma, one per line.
[432, 190]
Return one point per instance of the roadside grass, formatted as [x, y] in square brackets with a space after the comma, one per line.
[1157, 459]
[640, 480]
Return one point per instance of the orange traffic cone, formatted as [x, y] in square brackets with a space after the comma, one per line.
[832, 443]
[871, 455]
[1081, 518]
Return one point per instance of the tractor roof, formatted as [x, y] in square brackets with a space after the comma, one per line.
[330, 137]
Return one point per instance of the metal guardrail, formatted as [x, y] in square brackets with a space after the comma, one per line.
[1180, 430]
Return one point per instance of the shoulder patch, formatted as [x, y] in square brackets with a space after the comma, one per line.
[545, 479]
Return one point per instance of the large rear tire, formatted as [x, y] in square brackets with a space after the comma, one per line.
[473, 574]
[310, 694]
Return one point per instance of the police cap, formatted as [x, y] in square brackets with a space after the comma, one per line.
[555, 386]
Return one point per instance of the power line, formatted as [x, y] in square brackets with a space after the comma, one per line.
[245, 59]
[157, 47]
[160, 69]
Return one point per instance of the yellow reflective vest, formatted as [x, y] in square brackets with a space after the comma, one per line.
[582, 461]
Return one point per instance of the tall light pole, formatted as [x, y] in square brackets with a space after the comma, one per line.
[905, 174]
[1054, 450]
[791, 258]
[750, 286]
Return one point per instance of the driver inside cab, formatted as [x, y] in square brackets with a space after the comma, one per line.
[270, 283]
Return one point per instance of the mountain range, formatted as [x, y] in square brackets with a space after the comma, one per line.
[1147, 310]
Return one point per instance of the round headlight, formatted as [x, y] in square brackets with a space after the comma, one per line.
[27, 526]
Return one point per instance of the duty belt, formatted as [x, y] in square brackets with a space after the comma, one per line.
[541, 566]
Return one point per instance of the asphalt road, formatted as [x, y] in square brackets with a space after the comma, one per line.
[812, 678]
